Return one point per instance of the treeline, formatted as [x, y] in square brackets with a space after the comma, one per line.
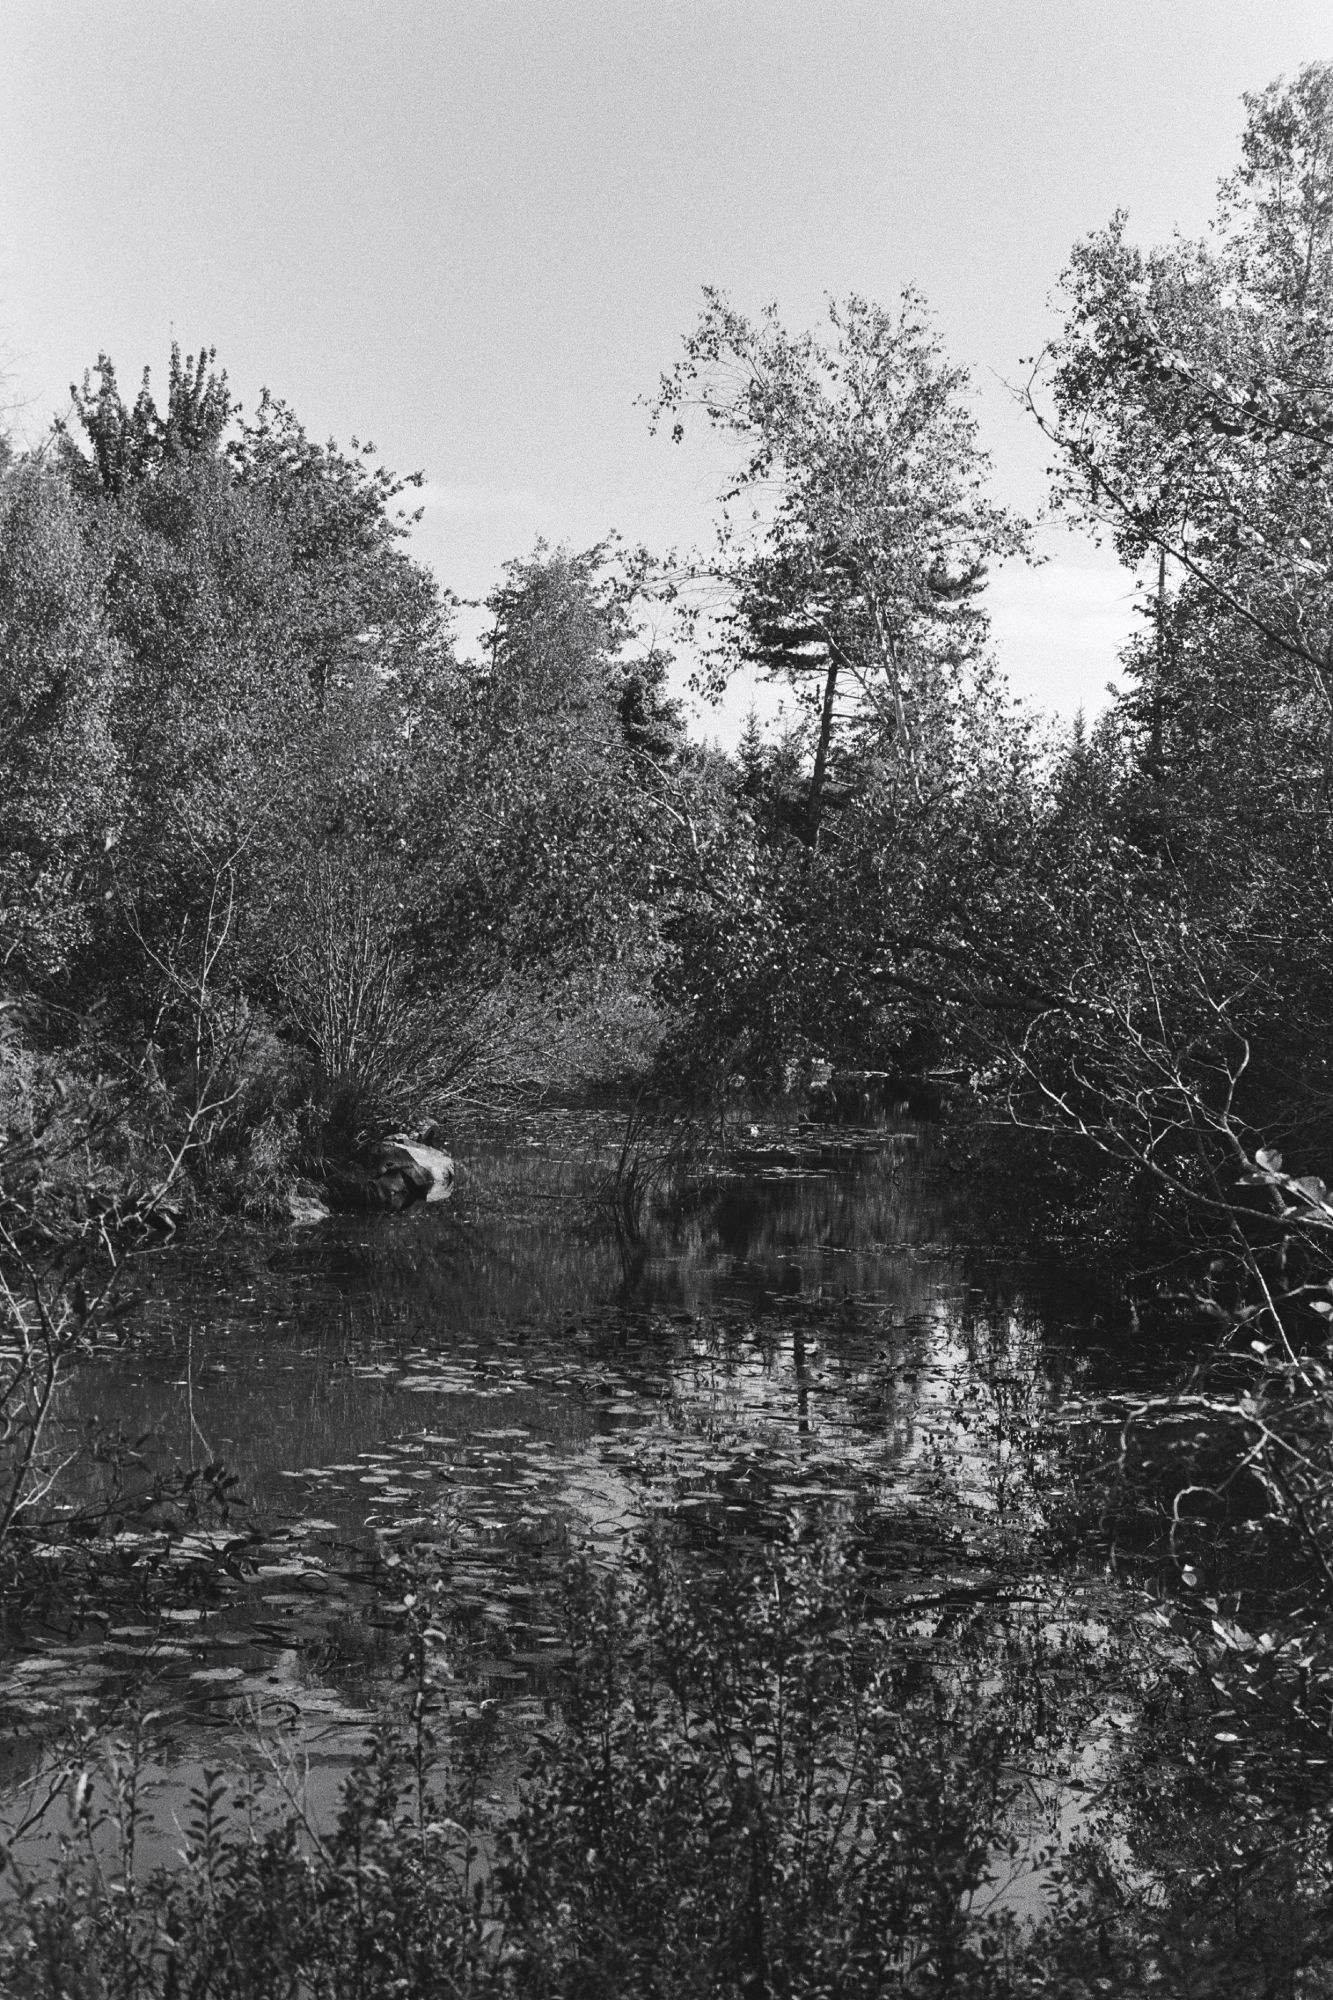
[280, 864]
[277, 867]
[1117, 943]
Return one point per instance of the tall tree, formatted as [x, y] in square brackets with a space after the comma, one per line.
[1190, 397]
[1191, 400]
[855, 577]
[282, 666]
[565, 741]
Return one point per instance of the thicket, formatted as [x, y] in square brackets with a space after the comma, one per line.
[753, 1790]
[272, 857]
[765, 1774]
[1117, 939]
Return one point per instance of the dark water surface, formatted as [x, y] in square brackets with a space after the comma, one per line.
[512, 1378]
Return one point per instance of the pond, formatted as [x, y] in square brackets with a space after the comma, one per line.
[532, 1371]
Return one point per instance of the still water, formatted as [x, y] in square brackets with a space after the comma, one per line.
[519, 1375]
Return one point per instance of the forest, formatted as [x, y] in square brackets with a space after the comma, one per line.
[285, 868]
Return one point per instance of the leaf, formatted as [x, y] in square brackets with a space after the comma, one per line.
[1269, 1160]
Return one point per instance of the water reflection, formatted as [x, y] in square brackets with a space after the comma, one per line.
[509, 1379]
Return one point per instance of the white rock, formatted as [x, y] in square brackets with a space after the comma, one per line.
[428, 1167]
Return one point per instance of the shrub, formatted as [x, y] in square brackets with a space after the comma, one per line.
[751, 1791]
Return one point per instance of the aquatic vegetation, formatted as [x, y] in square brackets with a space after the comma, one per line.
[790, 1608]
[751, 1781]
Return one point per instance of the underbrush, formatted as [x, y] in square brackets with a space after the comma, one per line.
[766, 1770]
[752, 1787]
[86, 1123]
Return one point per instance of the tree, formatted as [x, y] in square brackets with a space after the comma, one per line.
[856, 578]
[129, 443]
[61, 771]
[565, 745]
[1190, 397]
[273, 677]
[362, 607]
[1191, 400]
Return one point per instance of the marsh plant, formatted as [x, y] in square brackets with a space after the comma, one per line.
[760, 1773]
[749, 1785]
[660, 1160]
[73, 1226]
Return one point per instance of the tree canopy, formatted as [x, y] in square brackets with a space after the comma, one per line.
[856, 576]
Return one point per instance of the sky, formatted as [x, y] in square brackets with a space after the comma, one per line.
[476, 234]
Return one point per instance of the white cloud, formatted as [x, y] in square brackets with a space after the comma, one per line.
[468, 532]
[474, 503]
[1058, 630]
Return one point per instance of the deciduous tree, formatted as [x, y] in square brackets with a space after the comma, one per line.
[855, 577]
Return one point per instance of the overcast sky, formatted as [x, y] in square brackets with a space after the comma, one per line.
[475, 233]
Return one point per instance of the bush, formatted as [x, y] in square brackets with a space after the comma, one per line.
[751, 1791]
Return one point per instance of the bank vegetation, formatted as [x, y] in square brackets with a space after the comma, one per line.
[283, 870]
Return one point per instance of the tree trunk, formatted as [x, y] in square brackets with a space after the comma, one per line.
[1159, 672]
[816, 800]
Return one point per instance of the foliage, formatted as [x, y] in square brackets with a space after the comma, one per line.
[862, 572]
[279, 870]
[130, 444]
[915, 923]
[562, 750]
[66, 1247]
[1187, 399]
[61, 678]
[748, 1793]
[859, 896]
[1205, 1868]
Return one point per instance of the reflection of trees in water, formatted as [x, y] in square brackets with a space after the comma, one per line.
[800, 1297]
[1204, 1867]
[823, 1363]
[825, 1347]
[805, 1213]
